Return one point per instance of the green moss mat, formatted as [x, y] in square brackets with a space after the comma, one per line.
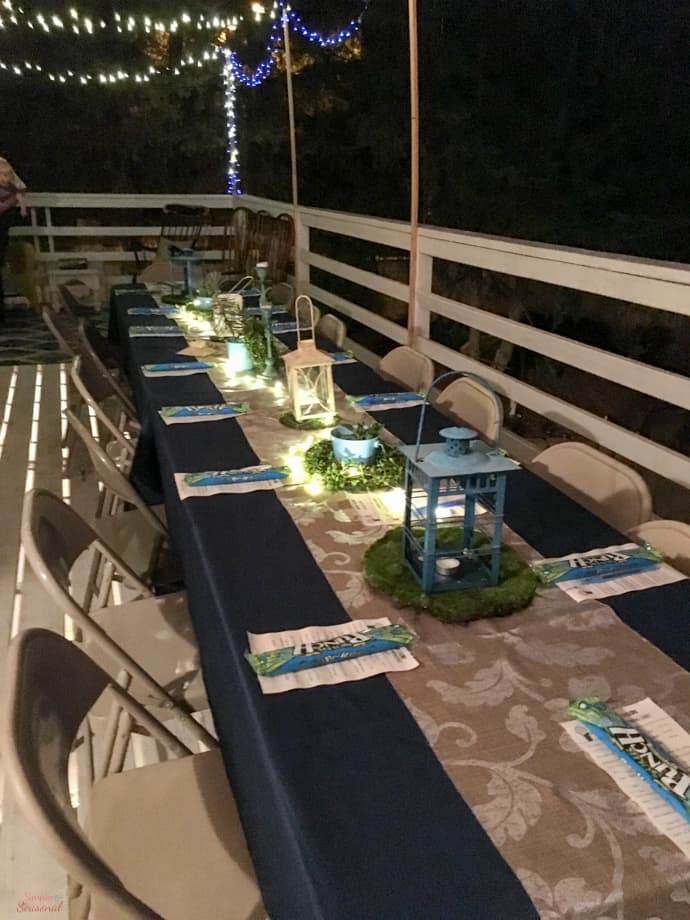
[386, 472]
[309, 424]
[386, 572]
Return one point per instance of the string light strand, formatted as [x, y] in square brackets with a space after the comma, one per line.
[81, 23]
[233, 152]
[109, 77]
[234, 72]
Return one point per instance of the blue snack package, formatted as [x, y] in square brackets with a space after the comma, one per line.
[642, 754]
[327, 651]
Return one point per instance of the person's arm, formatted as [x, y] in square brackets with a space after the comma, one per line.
[20, 202]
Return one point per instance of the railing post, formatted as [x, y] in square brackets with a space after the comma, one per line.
[34, 223]
[302, 268]
[49, 223]
[418, 322]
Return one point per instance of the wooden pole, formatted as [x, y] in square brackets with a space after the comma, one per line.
[414, 170]
[293, 145]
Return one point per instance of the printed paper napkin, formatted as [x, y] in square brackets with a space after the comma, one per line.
[256, 311]
[136, 332]
[151, 311]
[289, 326]
[173, 414]
[246, 479]
[326, 644]
[377, 402]
[343, 357]
[176, 368]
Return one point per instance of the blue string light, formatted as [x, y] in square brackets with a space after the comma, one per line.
[234, 72]
[263, 70]
[324, 41]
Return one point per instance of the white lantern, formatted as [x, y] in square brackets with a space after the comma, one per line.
[309, 374]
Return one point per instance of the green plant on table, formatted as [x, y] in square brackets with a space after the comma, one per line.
[210, 286]
[255, 340]
[385, 472]
[228, 317]
[357, 431]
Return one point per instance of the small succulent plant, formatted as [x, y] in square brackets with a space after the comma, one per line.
[211, 284]
[348, 431]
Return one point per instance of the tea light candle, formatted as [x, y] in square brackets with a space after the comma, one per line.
[447, 565]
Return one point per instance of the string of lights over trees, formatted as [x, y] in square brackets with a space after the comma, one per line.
[556, 121]
[166, 44]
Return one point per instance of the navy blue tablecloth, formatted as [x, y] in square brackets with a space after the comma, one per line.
[347, 811]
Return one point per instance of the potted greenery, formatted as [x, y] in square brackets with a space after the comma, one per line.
[207, 291]
[229, 326]
[355, 443]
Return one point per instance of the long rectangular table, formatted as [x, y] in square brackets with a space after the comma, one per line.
[443, 792]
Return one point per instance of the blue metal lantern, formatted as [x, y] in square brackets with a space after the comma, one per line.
[444, 485]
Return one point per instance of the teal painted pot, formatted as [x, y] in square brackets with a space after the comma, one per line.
[239, 359]
[346, 450]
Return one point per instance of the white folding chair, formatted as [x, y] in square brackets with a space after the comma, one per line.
[332, 328]
[282, 294]
[162, 665]
[408, 367]
[58, 326]
[123, 431]
[306, 312]
[88, 352]
[139, 534]
[469, 401]
[161, 841]
[672, 538]
[606, 487]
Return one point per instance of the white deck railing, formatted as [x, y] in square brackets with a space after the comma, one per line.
[658, 285]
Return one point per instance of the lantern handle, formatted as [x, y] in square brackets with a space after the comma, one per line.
[438, 380]
[311, 316]
[241, 285]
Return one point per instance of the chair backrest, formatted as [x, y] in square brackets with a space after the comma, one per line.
[261, 234]
[672, 538]
[54, 536]
[181, 227]
[305, 310]
[58, 326]
[107, 472]
[282, 294]
[85, 341]
[280, 246]
[408, 367]
[237, 240]
[50, 687]
[607, 487]
[469, 401]
[85, 389]
[333, 328]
